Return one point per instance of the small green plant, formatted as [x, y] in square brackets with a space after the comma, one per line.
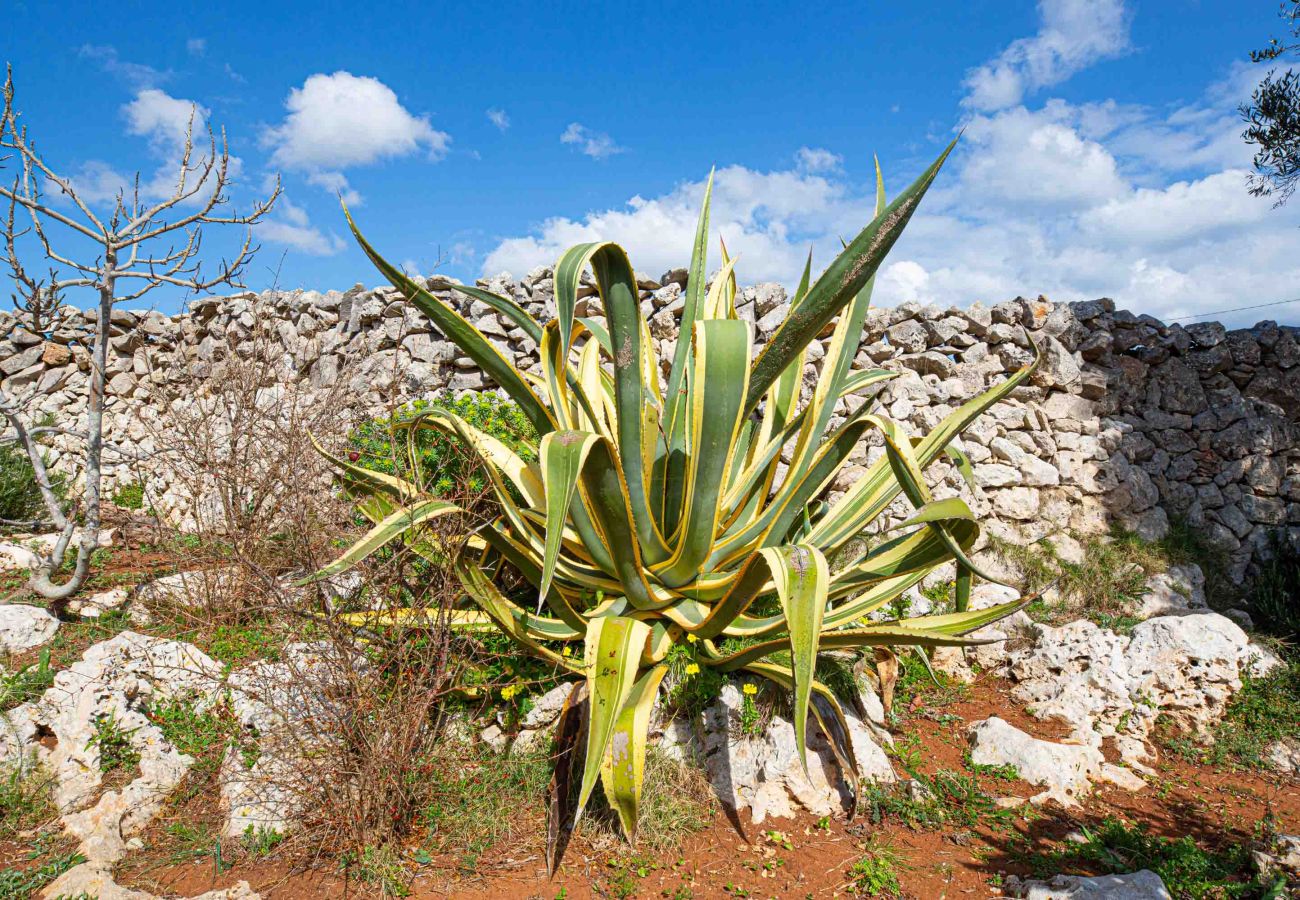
[1265, 710]
[129, 495]
[260, 841]
[442, 462]
[116, 753]
[381, 868]
[21, 884]
[472, 802]
[24, 798]
[876, 873]
[26, 683]
[946, 798]
[751, 719]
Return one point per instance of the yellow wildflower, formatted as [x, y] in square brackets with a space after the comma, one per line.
[566, 650]
[692, 669]
[750, 689]
[509, 691]
[691, 639]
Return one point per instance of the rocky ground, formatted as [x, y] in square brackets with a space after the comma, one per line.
[1068, 760]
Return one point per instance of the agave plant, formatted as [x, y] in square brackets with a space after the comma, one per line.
[687, 509]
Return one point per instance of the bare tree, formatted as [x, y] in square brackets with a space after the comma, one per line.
[144, 243]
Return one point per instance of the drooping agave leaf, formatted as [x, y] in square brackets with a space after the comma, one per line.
[623, 771]
[801, 576]
[613, 652]
[509, 617]
[562, 807]
[382, 534]
[916, 634]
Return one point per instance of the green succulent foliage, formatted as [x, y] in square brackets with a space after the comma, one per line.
[440, 462]
[654, 513]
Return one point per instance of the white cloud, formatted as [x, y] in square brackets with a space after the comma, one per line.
[817, 159]
[342, 120]
[164, 120]
[591, 143]
[137, 75]
[290, 225]
[336, 183]
[1072, 35]
[196, 46]
[97, 182]
[1066, 200]
[498, 118]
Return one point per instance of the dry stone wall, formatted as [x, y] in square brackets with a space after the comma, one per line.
[1128, 421]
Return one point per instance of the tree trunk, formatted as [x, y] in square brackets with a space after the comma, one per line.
[43, 577]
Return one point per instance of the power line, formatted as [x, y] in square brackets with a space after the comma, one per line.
[1220, 312]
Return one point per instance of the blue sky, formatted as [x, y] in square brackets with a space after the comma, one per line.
[1101, 152]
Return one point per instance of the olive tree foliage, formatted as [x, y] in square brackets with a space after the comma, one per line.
[116, 252]
[1273, 115]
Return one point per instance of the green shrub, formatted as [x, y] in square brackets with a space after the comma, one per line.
[446, 467]
[20, 498]
[129, 495]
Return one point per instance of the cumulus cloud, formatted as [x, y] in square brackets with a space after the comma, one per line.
[595, 144]
[164, 121]
[498, 118]
[1072, 35]
[1064, 200]
[291, 226]
[342, 120]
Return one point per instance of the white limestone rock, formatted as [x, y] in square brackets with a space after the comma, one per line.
[119, 678]
[25, 627]
[1066, 771]
[1141, 885]
[764, 774]
[1178, 591]
[1185, 667]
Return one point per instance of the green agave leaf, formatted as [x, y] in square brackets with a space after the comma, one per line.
[464, 335]
[507, 307]
[395, 525]
[801, 576]
[623, 770]
[839, 284]
[613, 652]
[713, 415]
[562, 457]
[850, 639]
